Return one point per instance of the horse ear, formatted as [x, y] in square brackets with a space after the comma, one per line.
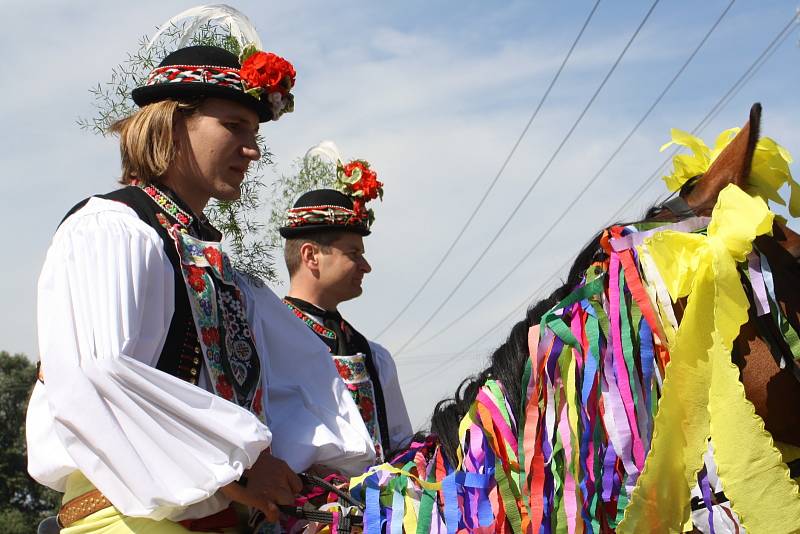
[732, 166]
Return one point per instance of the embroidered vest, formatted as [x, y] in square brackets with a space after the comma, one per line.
[355, 363]
[206, 302]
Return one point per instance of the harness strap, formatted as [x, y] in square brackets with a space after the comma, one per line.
[679, 207]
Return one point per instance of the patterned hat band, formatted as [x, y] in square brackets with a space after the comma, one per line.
[209, 74]
[324, 215]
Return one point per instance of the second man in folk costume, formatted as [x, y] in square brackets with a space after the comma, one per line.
[324, 255]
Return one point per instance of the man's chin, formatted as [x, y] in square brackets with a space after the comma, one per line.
[228, 194]
[355, 293]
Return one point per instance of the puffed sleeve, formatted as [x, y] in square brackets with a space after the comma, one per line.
[400, 430]
[311, 414]
[154, 445]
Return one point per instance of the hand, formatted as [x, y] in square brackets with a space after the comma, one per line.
[270, 482]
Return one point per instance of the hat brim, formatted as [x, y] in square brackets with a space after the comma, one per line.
[299, 231]
[155, 93]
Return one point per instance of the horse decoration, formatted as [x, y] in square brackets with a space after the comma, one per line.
[655, 391]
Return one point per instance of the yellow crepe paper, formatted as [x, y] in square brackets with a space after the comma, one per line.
[769, 171]
[687, 166]
[702, 396]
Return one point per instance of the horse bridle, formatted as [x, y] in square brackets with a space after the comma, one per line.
[308, 513]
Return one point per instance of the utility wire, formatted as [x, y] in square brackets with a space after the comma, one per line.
[782, 35]
[525, 302]
[779, 39]
[497, 176]
[589, 184]
[533, 185]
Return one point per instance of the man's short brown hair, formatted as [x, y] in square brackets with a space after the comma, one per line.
[291, 251]
[146, 139]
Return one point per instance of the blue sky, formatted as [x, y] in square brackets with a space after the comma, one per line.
[434, 94]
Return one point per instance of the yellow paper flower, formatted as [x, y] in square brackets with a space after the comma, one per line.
[769, 171]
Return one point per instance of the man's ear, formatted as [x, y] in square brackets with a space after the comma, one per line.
[309, 256]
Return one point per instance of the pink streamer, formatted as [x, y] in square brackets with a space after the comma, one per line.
[621, 369]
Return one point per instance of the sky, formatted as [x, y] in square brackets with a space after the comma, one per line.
[434, 94]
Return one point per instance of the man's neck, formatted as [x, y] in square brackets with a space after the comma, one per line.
[195, 199]
[312, 297]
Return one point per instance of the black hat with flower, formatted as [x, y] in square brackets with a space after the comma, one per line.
[262, 81]
[341, 209]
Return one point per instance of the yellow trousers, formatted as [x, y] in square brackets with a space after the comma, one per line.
[110, 520]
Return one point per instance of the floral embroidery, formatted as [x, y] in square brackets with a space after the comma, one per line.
[224, 388]
[210, 336]
[344, 371]
[196, 278]
[167, 205]
[367, 408]
[214, 257]
[353, 371]
[311, 323]
[232, 362]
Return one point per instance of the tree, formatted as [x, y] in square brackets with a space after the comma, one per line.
[23, 502]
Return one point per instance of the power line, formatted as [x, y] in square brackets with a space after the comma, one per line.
[588, 185]
[535, 182]
[779, 39]
[525, 302]
[497, 176]
[782, 35]
[440, 366]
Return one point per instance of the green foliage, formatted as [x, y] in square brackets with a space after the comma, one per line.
[23, 502]
[313, 173]
[250, 251]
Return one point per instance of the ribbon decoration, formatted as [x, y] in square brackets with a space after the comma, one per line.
[594, 450]
[702, 396]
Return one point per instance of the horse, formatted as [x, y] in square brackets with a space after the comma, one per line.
[595, 414]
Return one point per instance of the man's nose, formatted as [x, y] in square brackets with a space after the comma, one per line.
[251, 151]
[365, 266]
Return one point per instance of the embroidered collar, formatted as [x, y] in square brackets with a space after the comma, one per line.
[294, 305]
[170, 203]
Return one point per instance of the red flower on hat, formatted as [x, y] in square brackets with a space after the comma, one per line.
[368, 185]
[358, 207]
[269, 72]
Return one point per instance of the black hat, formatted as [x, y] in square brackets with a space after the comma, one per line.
[323, 210]
[261, 82]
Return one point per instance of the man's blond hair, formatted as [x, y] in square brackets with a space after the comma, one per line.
[146, 141]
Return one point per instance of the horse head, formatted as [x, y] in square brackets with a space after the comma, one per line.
[770, 384]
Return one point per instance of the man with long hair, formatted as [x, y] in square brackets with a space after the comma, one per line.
[162, 366]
